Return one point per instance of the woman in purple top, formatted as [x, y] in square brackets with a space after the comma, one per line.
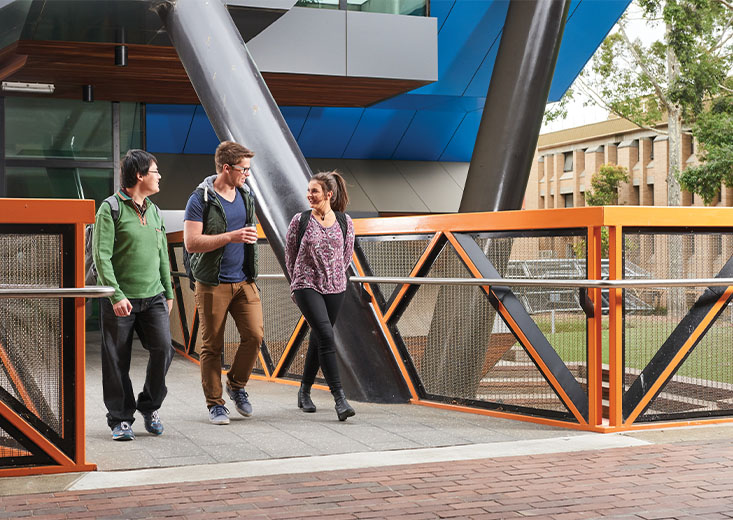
[317, 272]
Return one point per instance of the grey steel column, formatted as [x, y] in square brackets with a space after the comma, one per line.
[498, 173]
[515, 104]
[241, 108]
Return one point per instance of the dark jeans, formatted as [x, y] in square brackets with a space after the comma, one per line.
[149, 318]
[320, 311]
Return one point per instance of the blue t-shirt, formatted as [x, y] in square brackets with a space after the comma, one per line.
[232, 261]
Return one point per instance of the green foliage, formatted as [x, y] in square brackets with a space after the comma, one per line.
[559, 110]
[713, 128]
[604, 185]
[603, 192]
[679, 74]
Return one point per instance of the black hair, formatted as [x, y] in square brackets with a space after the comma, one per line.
[135, 161]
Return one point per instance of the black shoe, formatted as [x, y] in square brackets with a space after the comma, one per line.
[343, 408]
[304, 399]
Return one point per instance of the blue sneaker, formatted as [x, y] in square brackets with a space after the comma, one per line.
[152, 422]
[241, 401]
[123, 432]
[218, 414]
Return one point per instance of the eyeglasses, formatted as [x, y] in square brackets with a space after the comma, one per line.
[240, 168]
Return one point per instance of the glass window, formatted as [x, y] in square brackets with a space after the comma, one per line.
[409, 7]
[569, 200]
[57, 128]
[321, 4]
[59, 183]
[131, 135]
[568, 162]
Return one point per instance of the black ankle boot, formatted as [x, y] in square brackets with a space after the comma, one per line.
[304, 399]
[343, 408]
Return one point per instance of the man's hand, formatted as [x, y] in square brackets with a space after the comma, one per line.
[170, 306]
[122, 307]
[246, 235]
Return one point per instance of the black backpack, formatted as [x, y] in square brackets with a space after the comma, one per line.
[303, 225]
[90, 269]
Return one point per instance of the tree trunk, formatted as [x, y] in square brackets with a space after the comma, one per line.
[676, 303]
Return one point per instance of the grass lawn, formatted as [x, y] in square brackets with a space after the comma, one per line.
[712, 358]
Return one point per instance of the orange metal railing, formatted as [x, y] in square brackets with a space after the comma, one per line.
[616, 361]
[42, 339]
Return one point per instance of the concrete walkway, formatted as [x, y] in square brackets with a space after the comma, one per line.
[388, 461]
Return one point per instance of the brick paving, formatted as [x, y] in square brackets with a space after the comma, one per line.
[680, 480]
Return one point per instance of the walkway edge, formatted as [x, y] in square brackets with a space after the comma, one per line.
[157, 476]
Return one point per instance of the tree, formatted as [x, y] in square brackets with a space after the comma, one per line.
[672, 76]
[714, 128]
[603, 192]
[604, 185]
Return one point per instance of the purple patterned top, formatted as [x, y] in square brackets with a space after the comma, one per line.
[322, 258]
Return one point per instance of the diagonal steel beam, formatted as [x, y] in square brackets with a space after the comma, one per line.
[241, 108]
[678, 346]
[550, 365]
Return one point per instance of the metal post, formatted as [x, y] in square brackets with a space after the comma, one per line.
[2, 147]
[515, 103]
[116, 145]
[241, 108]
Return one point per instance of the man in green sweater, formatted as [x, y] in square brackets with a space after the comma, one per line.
[131, 255]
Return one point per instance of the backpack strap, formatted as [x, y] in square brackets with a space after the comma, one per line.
[305, 218]
[114, 207]
[302, 226]
[341, 218]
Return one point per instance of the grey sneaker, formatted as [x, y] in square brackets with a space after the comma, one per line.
[152, 422]
[218, 414]
[241, 400]
[123, 432]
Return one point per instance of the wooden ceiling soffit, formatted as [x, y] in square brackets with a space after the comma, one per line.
[154, 74]
[10, 61]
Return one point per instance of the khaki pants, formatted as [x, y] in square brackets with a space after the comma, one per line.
[242, 301]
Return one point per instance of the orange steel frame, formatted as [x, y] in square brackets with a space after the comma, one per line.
[76, 213]
[593, 219]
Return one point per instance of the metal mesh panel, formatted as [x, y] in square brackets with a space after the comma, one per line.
[10, 448]
[704, 382]
[296, 367]
[30, 330]
[392, 257]
[555, 311]
[281, 315]
[459, 348]
[189, 302]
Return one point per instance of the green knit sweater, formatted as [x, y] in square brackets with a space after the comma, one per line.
[131, 255]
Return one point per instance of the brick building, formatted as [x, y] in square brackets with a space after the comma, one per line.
[566, 160]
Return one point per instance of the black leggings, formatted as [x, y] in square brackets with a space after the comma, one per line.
[320, 311]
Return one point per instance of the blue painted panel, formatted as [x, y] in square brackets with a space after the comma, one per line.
[328, 130]
[428, 135]
[467, 35]
[479, 85]
[167, 127]
[439, 9]
[202, 138]
[460, 147]
[378, 133]
[589, 24]
[295, 118]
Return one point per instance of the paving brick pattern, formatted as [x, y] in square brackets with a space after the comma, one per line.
[679, 481]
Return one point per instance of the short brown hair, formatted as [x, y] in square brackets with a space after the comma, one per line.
[229, 152]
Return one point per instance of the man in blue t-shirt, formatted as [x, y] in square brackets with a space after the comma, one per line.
[220, 233]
